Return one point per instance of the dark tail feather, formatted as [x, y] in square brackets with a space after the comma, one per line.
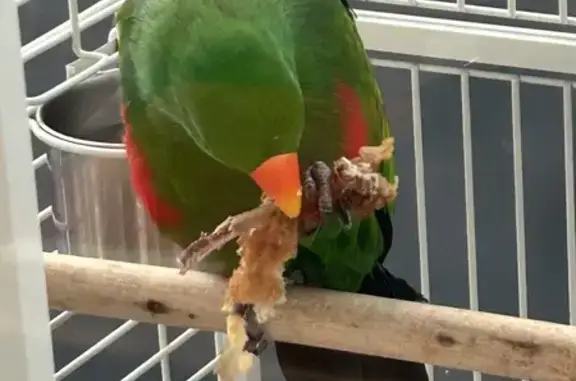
[303, 363]
[384, 284]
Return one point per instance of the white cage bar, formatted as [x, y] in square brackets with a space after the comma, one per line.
[25, 342]
[511, 11]
[413, 35]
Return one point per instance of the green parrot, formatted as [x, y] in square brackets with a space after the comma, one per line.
[224, 100]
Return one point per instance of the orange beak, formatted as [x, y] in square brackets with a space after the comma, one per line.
[279, 179]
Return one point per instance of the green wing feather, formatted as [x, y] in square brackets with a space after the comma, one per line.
[327, 49]
[333, 257]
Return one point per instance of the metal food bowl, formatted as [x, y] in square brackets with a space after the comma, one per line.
[94, 206]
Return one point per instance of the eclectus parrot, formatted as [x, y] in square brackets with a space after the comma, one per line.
[224, 100]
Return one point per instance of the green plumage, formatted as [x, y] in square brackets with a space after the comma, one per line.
[213, 87]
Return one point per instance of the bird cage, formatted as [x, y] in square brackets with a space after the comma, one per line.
[480, 100]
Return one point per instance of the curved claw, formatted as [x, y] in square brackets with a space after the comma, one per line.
[256, 346]
[296, 277]
[317, 187]
[344, 216]
[257, 341]
[317, 183]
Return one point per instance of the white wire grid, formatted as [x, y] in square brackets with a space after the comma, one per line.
[105, 8]
[511, 10]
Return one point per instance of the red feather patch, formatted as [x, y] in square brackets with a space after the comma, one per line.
[163, 214]
[354, 125]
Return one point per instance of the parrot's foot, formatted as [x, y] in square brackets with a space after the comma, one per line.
[257, 341]
[317, 186]
[295, 278]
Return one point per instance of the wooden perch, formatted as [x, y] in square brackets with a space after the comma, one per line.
[455, 338]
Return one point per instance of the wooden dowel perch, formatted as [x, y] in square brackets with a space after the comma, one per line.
[501, 345]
